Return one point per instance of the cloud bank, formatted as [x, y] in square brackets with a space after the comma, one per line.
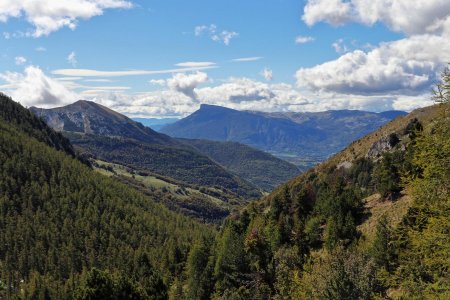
[410, 17]
[392, 72]
[407, 66]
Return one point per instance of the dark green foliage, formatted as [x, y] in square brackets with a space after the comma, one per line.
[58, 217]
[341, 275]
[23, 119]
[185, 165]
[149, 278]
[382, 249]
[361, 174]
[231, 266]
[386, 174]
[258, 167]
[249, 256]
[393, 139]
[199, 271]
[103, 285]
[413, 127]
[423, 237]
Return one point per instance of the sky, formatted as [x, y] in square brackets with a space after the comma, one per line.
[163, 58]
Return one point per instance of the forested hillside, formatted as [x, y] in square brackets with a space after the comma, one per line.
[108, 135]
[67, 231]
[183, 164]
[370, 223]
[24, 120]
[260, 168]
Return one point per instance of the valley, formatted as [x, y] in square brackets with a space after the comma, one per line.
[304, 139]
[224, 150]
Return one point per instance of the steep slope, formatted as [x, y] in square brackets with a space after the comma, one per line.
[113, 137]
[314, 237]
[59, 219]
[302, 138]
[181, 163]
[260, 168]
[23, 119]
[92, 118]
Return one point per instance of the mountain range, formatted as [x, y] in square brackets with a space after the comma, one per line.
[211, 169]
[301, 138]
[371, 222]
[175, 156]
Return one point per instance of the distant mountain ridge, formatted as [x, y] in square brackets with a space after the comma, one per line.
[155, 124]
[113, 137]
[302, 138]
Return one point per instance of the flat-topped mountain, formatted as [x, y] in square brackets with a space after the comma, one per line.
[302, 138]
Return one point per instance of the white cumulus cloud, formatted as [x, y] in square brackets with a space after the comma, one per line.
[47, 16]
[33, 87]
[183, 83]
[410, 17]
[407, 66]
[186, 83]
[397, 74]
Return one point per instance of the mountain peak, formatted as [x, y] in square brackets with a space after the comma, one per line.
[92, 118]
[210, 107]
